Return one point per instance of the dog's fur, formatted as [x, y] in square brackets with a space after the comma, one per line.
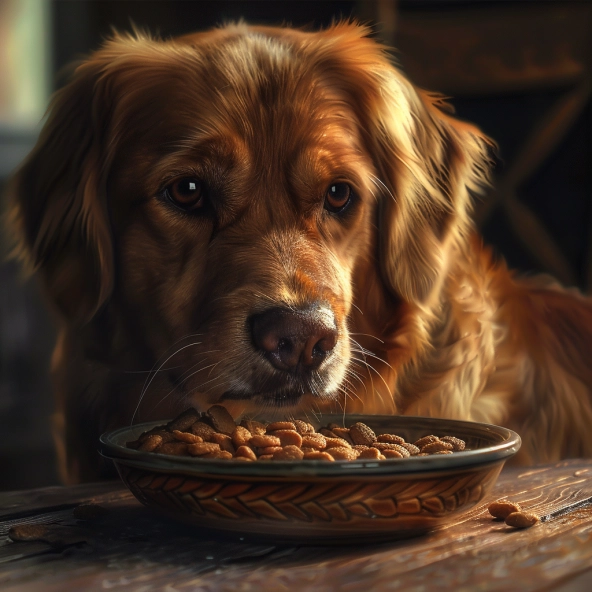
[426, 322]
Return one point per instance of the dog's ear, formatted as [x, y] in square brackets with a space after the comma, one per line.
[431, 165]
[428, 163]
[58, 208]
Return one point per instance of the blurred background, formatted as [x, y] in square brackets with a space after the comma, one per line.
[521, 70]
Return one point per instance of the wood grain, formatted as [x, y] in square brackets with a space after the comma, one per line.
[133, 549]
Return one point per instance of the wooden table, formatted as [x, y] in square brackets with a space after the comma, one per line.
[132, 548]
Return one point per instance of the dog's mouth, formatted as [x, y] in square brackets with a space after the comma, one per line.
[279, 398]
[283, 397]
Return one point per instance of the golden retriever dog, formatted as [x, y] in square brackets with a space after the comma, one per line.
[271, 218]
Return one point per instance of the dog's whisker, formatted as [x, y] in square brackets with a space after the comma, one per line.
[147, 386]
[204, 359]
[189, 336]
[368, 335]
[365, 352]
[373, 391]
[180, 385]
[358, 308]
[150, 371]
[370, 367]
[379, 183]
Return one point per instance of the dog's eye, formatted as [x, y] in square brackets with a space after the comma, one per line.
[187, 193]
[337, 197]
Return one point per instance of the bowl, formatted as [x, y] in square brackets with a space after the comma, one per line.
[319, 502]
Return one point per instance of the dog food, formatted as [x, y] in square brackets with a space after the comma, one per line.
[512, 514]
[503, 508]
[521, 519]
[215, 434]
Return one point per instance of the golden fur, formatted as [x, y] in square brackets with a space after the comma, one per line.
[427, 323]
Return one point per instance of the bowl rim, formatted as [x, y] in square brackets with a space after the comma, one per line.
[509, 443]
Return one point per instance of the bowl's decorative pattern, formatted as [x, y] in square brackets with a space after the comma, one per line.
[330, 501]
[317, 502]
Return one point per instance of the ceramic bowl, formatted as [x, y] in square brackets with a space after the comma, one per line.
[318, 502]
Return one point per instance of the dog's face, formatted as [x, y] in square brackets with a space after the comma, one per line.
[254, 201]
[232, 195]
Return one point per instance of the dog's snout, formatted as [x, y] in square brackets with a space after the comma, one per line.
[293, 340]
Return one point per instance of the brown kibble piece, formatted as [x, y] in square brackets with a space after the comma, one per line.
[390, 439]
[202, 429]
[158, 431]
[265, 457]
[221, 419]
[317, 441]
[458, 445]
[268, 450]
[187, 437]
[411, 448]
[289, 452]
[288, 437]
[437, 446]
[241, 436]
[202, 448]
[89, 511]
[151, 443]
[220, 454]
[280, 425]
[319, 455]
[174, 448]
[343, 453]
[303, 427]
[370, 454]
[336, 443]
[224, 441]
[383, 446]
[391, 454]
[343, 433]
[360, 433]
[27, 532]
[441, 452]
[327, 433]
[245, 452]
[521, 519]
[503, 508]
[264, 441]
[255, 427]
[184, 421]
[426, 440]
[242, 458]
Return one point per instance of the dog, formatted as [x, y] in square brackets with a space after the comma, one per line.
[270, 218]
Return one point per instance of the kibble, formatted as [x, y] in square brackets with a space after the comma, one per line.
[215, 435]
[521, 519]
[360, 433]
[437, 446]
[184, 421]
[503, 508]
[221, 420]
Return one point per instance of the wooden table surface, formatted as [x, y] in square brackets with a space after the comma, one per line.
[132, 548]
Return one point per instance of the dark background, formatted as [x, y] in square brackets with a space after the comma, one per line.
[521, 70]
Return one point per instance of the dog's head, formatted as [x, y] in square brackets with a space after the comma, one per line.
[219, 194]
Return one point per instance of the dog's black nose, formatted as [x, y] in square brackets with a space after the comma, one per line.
[295, 339]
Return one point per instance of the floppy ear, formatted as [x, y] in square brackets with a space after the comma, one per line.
[431, 165]
[58, 209]
[427, 163]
